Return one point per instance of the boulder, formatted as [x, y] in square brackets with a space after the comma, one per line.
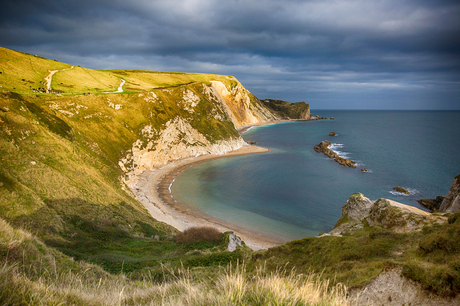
[233, 242]
[384, 213]
[332, 134]
[401, 189]
[399, 217]
[451, 202]
[363, 169]
[357, 207]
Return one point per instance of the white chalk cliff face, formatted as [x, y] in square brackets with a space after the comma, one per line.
[178, 139]
[238, 105]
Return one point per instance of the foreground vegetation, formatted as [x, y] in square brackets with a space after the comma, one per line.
[431, 257]
[32, 273]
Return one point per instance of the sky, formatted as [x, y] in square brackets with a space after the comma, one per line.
[363, 54]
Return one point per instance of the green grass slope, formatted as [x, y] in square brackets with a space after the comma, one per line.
[20, 71]
[31, 273]
[59, 161]
[430, 257]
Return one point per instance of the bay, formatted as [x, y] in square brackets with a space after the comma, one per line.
[293, 192]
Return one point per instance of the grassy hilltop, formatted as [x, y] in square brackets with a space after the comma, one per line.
[71, 232]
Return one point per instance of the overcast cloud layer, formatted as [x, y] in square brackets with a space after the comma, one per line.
[388, 54]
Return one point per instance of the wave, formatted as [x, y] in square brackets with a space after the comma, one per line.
[336, 147]
[246, 130]
[170, 185]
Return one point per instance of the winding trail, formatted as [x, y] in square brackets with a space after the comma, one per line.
[120, 88]
[49, 78]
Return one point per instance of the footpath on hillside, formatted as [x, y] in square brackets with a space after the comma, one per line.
[49, 78]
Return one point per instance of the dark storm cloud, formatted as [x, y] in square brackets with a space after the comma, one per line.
[330, 53]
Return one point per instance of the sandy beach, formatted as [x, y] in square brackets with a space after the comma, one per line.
[153, 191]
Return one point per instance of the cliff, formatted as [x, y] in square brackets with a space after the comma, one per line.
[451, 202]
[286, 110]
[89, 133]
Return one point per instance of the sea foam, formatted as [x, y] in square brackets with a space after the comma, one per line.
[336, 147]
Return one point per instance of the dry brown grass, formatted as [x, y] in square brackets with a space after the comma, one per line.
[199, 234]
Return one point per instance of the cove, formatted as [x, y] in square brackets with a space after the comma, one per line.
[294, 192]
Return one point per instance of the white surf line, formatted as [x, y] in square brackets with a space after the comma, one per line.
[170, 185]
[49, 78]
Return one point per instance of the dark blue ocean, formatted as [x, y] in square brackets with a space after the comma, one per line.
[293, 192]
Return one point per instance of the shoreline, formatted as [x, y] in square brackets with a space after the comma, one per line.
[153, 191]
[245, 128]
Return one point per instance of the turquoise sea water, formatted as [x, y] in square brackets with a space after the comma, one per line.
[293, 192]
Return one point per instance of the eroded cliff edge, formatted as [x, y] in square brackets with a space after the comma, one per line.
[203, 121]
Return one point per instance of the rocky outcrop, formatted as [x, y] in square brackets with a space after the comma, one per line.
[287, 110]
[386, 213]
[451, 202]
[332, 134]
[432, 204]
[391, 288]
[323, 147]
[233, 242]
[357, 207]
[398, 217]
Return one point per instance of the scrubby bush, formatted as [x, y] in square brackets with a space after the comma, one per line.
[199, 234]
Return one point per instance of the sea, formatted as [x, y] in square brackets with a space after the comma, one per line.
[293, 192]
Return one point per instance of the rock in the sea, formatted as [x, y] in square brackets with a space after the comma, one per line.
[332, 118]
[363, 169]
[323, 148]
[401, 189]
[451, 202]
[332, 134]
